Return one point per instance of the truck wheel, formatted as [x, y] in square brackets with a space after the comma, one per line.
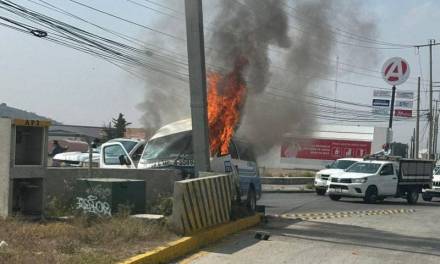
[371, 195]
[320, 191]
[426, 198]
[251, 202]
[335, 197]
[412, 196]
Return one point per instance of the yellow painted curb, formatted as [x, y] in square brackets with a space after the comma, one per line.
[186, 245]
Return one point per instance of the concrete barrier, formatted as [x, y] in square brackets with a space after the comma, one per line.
[158, 183]
[287, 180]
[201, 203]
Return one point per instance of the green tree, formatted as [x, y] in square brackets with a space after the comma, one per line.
[120, 125]
[108, 132]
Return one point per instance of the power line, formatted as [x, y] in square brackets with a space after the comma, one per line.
[127, 20]
[346, 33]
[91, 43]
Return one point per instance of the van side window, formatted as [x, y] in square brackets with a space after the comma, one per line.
[387, 169]
[233, 150]
[246, 151]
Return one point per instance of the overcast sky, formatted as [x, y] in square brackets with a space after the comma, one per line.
[76, 88]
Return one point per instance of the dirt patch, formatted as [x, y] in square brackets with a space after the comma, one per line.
[81, 240]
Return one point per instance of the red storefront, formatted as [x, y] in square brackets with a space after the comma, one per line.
[325, 149]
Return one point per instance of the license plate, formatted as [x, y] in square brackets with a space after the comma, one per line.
[338, 190]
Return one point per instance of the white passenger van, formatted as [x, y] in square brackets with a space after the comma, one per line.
[171, 147]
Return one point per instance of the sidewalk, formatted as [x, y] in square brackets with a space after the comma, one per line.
[274, 188]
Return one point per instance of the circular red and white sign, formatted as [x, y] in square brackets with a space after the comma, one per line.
[395, 71]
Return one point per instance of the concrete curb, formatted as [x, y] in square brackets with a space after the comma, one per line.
[186, 245]
[287, 191]
[287, 180]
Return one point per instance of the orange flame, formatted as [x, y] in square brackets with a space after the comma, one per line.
[226, 96]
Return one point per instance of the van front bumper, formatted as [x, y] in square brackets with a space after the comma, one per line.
[348, 190]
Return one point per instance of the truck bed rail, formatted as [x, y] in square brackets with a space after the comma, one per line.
[415, 171]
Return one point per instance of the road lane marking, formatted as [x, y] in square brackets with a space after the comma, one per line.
[343, 214]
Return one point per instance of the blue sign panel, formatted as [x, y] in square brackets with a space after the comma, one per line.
[381, 102]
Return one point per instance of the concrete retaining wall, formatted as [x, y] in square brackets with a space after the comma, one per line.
[60, 182]
[201, 203]
[287, 180]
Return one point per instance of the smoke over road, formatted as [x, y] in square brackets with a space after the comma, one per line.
[301, 39]
[287, 45]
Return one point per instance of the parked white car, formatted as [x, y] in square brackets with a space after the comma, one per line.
[77, 159]
[132, 146]
[428, 194]
[337, 166]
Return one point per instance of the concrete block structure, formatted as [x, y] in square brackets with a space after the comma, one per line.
[27, 185]
[23, 161]
[201, 203]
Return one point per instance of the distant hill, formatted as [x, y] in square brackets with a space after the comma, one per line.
[13, 113]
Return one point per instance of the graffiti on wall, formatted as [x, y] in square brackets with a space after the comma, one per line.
[95, 201]
[91, 205]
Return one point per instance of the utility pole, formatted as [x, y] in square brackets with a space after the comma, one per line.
[435, 135]
[434, 147]
[418, 121]
[412, 145]
[431, 116]
[197, 82]
[336, 81]
[390, 123]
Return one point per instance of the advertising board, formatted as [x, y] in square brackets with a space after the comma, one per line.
[325, 149]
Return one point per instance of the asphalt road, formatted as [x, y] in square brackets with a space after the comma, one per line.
[411, 237]
[281, 203]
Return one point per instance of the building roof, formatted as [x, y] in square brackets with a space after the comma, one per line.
[15, 113]
[75, 131]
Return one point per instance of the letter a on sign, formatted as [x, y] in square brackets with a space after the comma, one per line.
[395, 71]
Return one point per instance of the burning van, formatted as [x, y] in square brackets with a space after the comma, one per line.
[171, 146]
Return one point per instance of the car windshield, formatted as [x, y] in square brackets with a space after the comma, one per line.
[342, 164]
[169, 147]
[364, 167]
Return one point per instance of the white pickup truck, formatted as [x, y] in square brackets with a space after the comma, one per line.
[337, 166]
[428, 194]
[377, 178]
[122, 148]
